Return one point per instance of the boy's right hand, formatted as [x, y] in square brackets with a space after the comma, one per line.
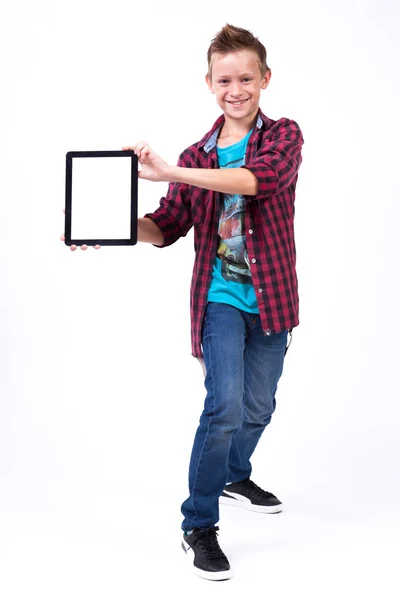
[73, 247]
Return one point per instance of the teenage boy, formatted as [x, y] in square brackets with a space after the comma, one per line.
[236, 187]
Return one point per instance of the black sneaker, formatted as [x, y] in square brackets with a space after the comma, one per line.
[246, 494]
[209, 561]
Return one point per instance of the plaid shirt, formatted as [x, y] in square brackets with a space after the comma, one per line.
[274, 156]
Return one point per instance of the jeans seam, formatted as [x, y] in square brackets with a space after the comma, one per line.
[202, 448]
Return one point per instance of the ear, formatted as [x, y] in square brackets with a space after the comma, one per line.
[266, 79]
[209, 83]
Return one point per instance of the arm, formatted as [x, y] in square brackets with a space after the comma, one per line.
[149, 232]
[274, 167]
[277, 162]
[228, 181]
[172, 219]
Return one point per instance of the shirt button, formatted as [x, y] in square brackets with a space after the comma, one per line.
[250, 231]
[260, 290]
[253, 260]
[267, 332]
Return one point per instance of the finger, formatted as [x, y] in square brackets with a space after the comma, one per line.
[133, 147]
[144, 153]
[84, 247]
[97, 247]
[64, 211]
[62, 238]
[140, 145]
[73, 248]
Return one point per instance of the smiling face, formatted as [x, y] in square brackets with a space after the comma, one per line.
[237, 83]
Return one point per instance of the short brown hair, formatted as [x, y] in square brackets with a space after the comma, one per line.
[232, 38]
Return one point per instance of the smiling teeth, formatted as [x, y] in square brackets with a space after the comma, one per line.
[237, 103]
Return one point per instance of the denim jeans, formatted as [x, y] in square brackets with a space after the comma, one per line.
[243, 367]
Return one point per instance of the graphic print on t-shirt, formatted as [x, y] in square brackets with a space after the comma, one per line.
[232, 249]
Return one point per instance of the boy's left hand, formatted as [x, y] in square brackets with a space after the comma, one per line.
[153, 168]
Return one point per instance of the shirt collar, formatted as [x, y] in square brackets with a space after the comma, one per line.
[209, 141]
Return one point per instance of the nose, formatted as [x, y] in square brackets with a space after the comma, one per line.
[235, 89]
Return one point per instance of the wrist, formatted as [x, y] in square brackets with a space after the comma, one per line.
[172, 174]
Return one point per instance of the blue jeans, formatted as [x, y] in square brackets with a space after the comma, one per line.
[243, 367]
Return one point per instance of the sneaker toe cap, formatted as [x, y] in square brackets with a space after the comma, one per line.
[219, 564]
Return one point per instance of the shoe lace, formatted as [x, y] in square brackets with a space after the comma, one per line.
[207, 540]
[256, 489]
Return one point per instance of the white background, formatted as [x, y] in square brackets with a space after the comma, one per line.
[100, 396]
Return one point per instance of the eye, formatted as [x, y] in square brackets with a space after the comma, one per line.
[222, 81]
[247, 79]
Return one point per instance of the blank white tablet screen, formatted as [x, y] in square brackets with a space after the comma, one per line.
[101, 197]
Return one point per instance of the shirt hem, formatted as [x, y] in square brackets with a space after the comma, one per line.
[232, 302]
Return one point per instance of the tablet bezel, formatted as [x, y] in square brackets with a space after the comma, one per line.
[132, 240]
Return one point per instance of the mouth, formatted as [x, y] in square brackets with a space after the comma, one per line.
[237, 102]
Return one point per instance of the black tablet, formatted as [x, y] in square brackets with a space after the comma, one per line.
[101, 198]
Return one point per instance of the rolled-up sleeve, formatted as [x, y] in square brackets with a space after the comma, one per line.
[174, 215]
[277, 161]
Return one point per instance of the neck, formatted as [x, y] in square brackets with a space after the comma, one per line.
[238, 127]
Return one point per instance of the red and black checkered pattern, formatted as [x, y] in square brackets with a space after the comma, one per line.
[274, 156]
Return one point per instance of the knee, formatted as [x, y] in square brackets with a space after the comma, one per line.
[231, 423]
[230, 420]
[226, 421]
[263, 415]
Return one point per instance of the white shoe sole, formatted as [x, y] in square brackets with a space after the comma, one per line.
[212, 576]
[249, 506]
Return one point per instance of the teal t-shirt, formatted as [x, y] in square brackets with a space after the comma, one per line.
[231, 278]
